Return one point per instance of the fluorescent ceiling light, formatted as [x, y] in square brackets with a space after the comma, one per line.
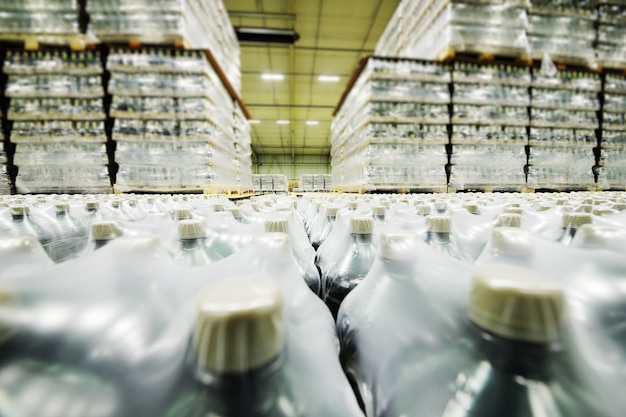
[328, 78]
[272, 77]
[257, 34]
[312, 122]
[254, 121]
[282, 122]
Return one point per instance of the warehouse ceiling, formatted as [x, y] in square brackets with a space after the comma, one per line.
[294, 114]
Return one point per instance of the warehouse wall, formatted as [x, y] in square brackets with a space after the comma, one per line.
[291, 167]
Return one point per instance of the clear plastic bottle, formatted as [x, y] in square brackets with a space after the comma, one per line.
[352, 264]
[306, 264]
[190, 248]
[379, 214]
[508, 245]
[509, 359]
[236, 354]
[24, 223]
[571, 222]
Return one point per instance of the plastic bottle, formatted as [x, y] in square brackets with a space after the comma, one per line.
[190, 248]
[102, 232]
[304, 259]
[236, 354]
[571, 222]
[508, 245]
[319, 235]
[72, 237]
[352, 264]
[509, 359]
[379, 214]
[439, 236]
[24, 223]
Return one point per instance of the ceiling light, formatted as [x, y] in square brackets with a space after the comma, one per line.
[312, 122]
[272, 77]
[328, 78]
[254, 121]
[282, 122]
[256, 34]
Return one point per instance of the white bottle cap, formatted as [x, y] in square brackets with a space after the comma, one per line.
[544, 207]
[423, 210]
[132, 202]
[116, 203]
[512, 205]
[509, 220]
[7, 300]
[239, 325]
[20, 210]
[439, 223]
[619, 206]
[255, 206]
[353, 205]
[593, 234]
[513, 210]
[584, 208]
[62, 207]
[379, 210]
[441, 206]
[472, 208]
[276, 225]
[236, 212]
[575, 220]
[398, 246]
[191, 229]
[106, 230]
[588, 200]
[218, 207]
[92, 205]
[561, 201]
[41, 199]
[514, 303]
[361, 225]
[331, 211]
[182, 214]
[512, 241]
[602, 211]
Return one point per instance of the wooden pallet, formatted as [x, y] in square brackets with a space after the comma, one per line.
[36, 42]
[482, 188]
[513, 57]
[140, 41]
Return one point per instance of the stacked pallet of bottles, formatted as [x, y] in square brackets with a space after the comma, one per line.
[5, 182]
[564, 122]
[612, 173]
[243, 149]
[173, 123]
[611, 48]
[436, 28]
[56, 115]
[192, 24]
[392, 130]
[56, 22]
[489, 123]
[563, 30]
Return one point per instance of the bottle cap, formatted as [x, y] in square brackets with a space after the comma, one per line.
[602, 211]
[218, 207]
[561, 201]
[20, 210]
[543, 207]
[191, 229]
[62, 207]
[116, 203]
[619, 206]
[441, 206]
[584, 208]
[593, 234]
[472, 208]
[182, 214]
[92, 205]
[255, 206]
[438, 224]
[423, 210]
[236, 212]
[132, 202]
[509, 220]
[106, 230]
[513, 205]
[514, 303]
[352, 205]
[397, 246]
[276, 225]
[379, 210]
[239, 325]
[513, 210]
[575, 220]
[512, 241]
[331, 211]
[7, 300]
[41, 199]
[361, 225]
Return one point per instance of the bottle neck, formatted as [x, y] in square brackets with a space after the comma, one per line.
[529, 360]
[100, 243]
[362, 239]
[440, 237]
[191, 243]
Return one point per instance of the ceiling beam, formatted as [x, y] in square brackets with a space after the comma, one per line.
[287, 106]
[260, 15]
